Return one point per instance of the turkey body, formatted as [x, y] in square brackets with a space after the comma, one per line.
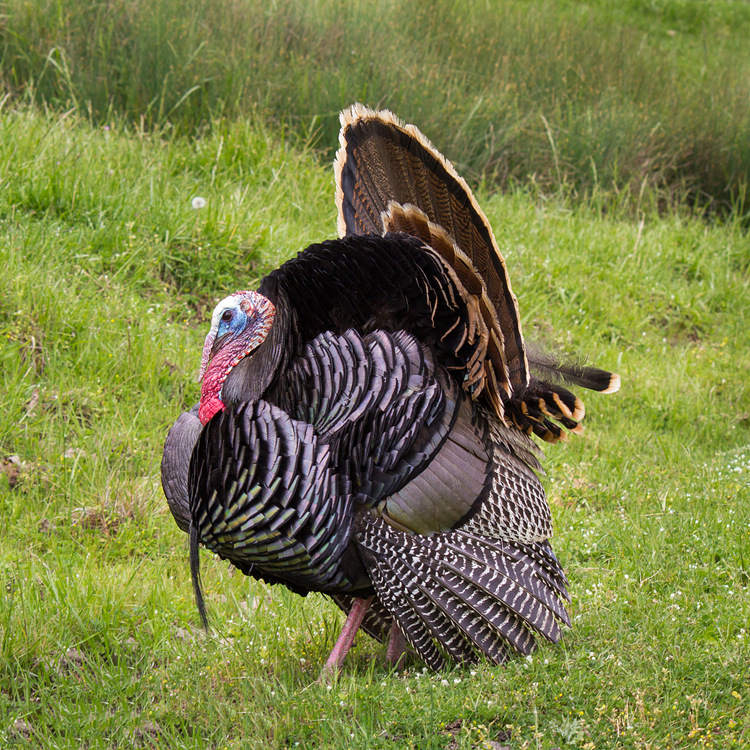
[365, 419]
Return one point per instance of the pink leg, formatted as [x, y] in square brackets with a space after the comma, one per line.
[396, 650]
[344, 643]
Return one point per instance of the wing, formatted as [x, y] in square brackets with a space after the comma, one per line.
[461, 595]
[453, 520]
[410, 444]
[387, 412]
[175, 463]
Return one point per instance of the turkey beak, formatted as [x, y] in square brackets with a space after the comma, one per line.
[217, 344]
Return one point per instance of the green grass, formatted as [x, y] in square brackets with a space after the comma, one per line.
[617, 119]
[622, 100]
[108, 278]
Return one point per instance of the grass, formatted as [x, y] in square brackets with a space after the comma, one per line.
[109, 276]
[619, 121]
[618, 100]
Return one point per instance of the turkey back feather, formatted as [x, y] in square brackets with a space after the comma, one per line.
[392, 282]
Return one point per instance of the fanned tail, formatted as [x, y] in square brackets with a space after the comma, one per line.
[390, 178]
[383, 161]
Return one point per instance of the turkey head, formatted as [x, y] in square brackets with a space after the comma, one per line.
[239, 327]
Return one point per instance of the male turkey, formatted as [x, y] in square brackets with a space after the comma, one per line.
[365, 419]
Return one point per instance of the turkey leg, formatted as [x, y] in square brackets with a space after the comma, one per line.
[396, 650]
[346, 639]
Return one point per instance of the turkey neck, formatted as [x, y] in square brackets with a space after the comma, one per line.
[256, 373]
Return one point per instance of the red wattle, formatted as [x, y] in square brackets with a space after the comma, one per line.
[209, 407]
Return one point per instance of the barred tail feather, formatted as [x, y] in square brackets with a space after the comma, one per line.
[382, 160]
[544, 406]
[550, 368]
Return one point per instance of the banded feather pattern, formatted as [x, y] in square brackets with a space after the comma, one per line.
[366, 420]
[461, 596]
[382, 161]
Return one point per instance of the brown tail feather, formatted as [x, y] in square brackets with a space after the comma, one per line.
[383, 160]
[390, 178]
[486, 328]
[550, 368]
[538, 407]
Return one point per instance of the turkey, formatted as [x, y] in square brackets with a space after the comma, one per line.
[366, 417]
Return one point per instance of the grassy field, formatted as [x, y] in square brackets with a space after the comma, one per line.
[102, 324]
[619, 98]
[109, 276]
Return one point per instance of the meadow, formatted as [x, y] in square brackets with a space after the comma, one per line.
[619, 99]
[108, 278]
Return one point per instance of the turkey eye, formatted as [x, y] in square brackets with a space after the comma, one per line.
[227, 315]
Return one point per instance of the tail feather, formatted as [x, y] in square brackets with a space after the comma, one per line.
[489, 368]
[390, 178]
[542, 407]
[551, 369]
[382, 160]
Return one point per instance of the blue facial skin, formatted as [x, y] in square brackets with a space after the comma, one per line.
[232, 322]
